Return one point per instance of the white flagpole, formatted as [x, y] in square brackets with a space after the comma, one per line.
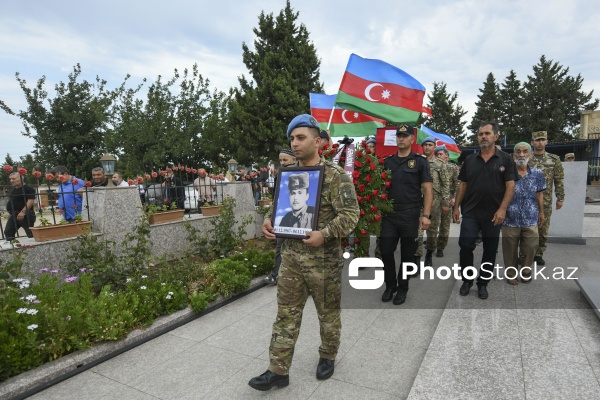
[330, 117]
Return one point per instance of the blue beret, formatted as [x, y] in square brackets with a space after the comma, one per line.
[440, 148]
[371, 141]
[428, 139]
[405, 129]
[302, 120]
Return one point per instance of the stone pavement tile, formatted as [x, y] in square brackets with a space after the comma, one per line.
[407, 326]
[495, 374]
[302, 385]
[559, 380]
[549, 340]
[131, 364]
[126, 392]
[250, 335]
[333, 389]
[591, 346]
[87, 385]
[207, 325]
[470, 322]
[380, 365]
[461, 345]
[584, 320]
[501, 296]
[194, 372]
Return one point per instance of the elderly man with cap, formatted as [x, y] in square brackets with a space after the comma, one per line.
[311, 266]
[440, 203]
[487, 185]
[569, 157]
[452, 169]
[302, 215]
[524, 214]
[410, 176]
[554, 173]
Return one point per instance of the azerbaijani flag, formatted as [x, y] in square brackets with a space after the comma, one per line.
[440, 139]
[343, 122]
[377, 88]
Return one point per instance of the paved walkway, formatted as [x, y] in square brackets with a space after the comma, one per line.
[536, 341]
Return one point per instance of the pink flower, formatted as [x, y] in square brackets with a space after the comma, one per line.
[8, 169]
[140, 179]
[130, 182]
[154, 174]
[49, 177]
[188, 170]
[75, 181]
[148, 177]
[61, 178]
[37, 174]
[22, 171]
[87, 183]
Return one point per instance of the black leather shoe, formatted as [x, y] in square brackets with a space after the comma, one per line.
[439, 253]
[539, 260]
[325, 368]
[465, 288]
[400, 297]
[482, 292]
[428, 258]
[387, 295]
[268, 380]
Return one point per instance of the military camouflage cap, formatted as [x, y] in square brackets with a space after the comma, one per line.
[539, 135]
[298, 181]
[569, 155]
[405, 129]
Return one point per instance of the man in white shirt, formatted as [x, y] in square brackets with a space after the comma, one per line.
[117, 180]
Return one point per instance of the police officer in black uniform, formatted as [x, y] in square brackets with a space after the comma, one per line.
[410, 172]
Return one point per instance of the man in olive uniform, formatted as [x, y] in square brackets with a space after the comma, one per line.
[440, 203]
[554, 173]
[312, 265]
[410, 175]
[441, 152]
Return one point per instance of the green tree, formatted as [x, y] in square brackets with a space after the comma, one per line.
[555, 100]
[488, 106]
[69, 128]
[284, 69]
[447, 113]
[512, 109]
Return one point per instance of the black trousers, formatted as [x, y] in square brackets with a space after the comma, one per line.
[13, 224]
[490, 235]
[401, 226]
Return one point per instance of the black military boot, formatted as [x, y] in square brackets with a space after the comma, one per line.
[439, 253]
[428, 258]
[269, 380]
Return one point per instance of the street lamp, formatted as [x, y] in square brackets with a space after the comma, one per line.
[232, 166]
[108, 162]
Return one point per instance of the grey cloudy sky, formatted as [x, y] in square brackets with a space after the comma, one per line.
[457, 42]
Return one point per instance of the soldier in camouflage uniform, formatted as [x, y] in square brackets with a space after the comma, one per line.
[442, 240]
[554, 173]
[312, 266]
[441, 200]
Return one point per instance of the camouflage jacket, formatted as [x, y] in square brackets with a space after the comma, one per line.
[453, 171]
[441, 180]
[554, 173]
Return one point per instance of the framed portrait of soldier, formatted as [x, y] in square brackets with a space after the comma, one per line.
[296, 202]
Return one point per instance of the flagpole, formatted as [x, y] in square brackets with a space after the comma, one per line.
[330, 117]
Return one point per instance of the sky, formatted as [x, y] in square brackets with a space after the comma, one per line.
[456, 42]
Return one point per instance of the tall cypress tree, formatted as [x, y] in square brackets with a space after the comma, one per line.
[447, 113]
[555, 100]
[512, 109]
[488, 106]
[284, 69]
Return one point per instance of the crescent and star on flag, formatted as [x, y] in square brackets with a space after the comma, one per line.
[385, 94]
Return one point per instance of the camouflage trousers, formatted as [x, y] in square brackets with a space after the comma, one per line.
[432, 232]
[444, 232]
[306, 271]
[543, 230]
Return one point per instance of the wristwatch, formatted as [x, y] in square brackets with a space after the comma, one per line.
[428, 216]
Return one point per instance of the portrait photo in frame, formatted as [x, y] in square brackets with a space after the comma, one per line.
[296, 202]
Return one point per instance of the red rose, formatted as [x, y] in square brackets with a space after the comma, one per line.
[388, 184]
[360, 199]
[373, 208]
[361, 187]
[37, 174]
[383, 175]
[345, 244]
[49, 177]
[368, 151]
[335, 145]
[342, 159]
[357, 164]
[87, 183]
[320, 152]
[362, 213]
[377, 217]
[61, 178]
[170, 170]
[154, 174]
[375, 192]
[188, 170]
[381, 161]
[363, 143]
[355, 174]
[326, 146]
[355, 182]
[359, 153]
[140, 179]
[368, 197]
[194, 170]
[162, 173]
[148, 177]
[75, 181]
[130, 182]
[368, 178]
[356, 240]
[8, 169]
[60, 211]
[22, 171]
[372, 166]
[364, 232]
[384, 196]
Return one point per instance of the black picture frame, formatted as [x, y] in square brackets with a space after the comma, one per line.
[290, 223]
